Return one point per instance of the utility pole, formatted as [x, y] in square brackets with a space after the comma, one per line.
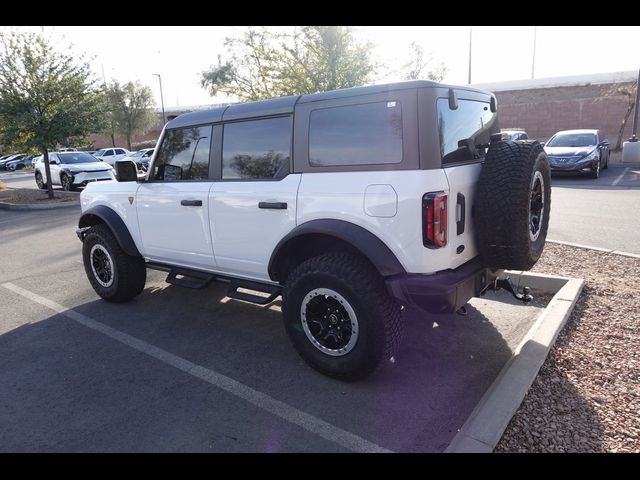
[164, 118]
[470, 37]
[634, 131]
[533, 61]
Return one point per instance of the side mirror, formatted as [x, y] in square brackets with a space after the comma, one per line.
[126, 171]
[453, 100]
[53, 162]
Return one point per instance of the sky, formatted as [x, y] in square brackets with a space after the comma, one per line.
[180, 54]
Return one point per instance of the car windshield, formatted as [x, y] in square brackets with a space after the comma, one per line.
[139, 153]
[77, 157]
[573, 140]
[100, 152]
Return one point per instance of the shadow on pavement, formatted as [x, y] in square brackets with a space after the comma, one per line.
[64, 387]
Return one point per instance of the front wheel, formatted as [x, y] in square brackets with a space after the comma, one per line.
[66, 182]
[596, 172]
[340, 317]
[113, 274]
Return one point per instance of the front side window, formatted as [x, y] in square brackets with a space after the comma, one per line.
[464, 132]
[258, 149]
[184, 154]
[365, 134]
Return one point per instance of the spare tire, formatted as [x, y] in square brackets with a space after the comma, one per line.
[512, 204]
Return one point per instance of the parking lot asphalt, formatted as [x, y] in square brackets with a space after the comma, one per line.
[191, 370]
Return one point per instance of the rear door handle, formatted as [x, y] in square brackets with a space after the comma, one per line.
[191, 203]
[460, 214]
[273, 205]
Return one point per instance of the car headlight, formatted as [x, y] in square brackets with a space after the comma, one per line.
[590, 158]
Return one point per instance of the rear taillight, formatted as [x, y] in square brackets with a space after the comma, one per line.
[434, 223]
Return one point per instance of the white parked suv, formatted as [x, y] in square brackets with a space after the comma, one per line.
[72, 169]
[111, 155]
[349, 204]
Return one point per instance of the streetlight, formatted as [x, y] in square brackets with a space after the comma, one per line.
[164, 118]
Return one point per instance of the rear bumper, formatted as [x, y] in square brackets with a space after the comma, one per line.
[442, 292]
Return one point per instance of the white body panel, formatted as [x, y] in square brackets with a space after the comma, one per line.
[342, 196]
[244, 236]
[115, 195]
[171, 232]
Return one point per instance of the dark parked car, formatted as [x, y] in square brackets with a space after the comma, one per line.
[19, 164]
[584, 152]
[3, 163]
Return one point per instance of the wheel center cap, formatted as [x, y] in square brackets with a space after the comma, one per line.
[333, 319]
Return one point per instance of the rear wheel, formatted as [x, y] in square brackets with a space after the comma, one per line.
[40, 181]
[113, 274]
[339, 316]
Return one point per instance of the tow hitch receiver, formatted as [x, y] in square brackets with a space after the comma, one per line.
[506, 283]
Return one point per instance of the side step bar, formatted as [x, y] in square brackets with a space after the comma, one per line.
[273, 291]
[185, 277]
[189, 278]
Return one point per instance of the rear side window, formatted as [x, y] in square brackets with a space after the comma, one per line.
[184, 154]
[365, 134]
[259, 149]
[465, 131]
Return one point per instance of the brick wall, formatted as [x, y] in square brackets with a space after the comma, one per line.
[544, 111]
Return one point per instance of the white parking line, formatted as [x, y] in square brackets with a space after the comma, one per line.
[261, 400]
[620, 177]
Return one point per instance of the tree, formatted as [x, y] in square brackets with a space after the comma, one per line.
[417, 67]
[629, 91]
[266, 64]
[131, 109]
[47, 97]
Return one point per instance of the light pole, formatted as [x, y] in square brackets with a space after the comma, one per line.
[470, 37]
[164, 118]
[533, 60]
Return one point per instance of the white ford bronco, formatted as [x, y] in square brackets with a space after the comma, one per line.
[350, 204]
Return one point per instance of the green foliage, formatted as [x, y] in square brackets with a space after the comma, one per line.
[47, 98]
[265, 64]
[418, 66]
[130, 108]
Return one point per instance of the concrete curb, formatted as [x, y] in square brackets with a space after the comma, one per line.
[31, 206]
[486, 424]
[598, 249]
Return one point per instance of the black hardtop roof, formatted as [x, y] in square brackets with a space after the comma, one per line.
[283, 105]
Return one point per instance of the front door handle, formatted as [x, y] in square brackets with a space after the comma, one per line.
[191, 203]
[273, 205]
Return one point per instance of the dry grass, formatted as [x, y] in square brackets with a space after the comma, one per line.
[587, 395]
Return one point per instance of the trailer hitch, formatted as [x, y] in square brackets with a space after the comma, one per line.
[507, 284]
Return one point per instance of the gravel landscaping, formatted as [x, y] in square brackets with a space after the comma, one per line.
[21, 196]
[586, 397]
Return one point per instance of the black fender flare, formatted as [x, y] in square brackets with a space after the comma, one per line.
[378, 253]
[115, 223]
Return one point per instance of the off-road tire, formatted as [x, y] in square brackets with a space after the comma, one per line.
[503, 204]
[129, 272]
[378, 315]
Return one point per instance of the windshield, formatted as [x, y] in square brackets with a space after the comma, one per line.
[100, 152]
[77, 157]
[139, 153]
[573, 140]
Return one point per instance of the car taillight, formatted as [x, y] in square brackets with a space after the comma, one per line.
[434, 223]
